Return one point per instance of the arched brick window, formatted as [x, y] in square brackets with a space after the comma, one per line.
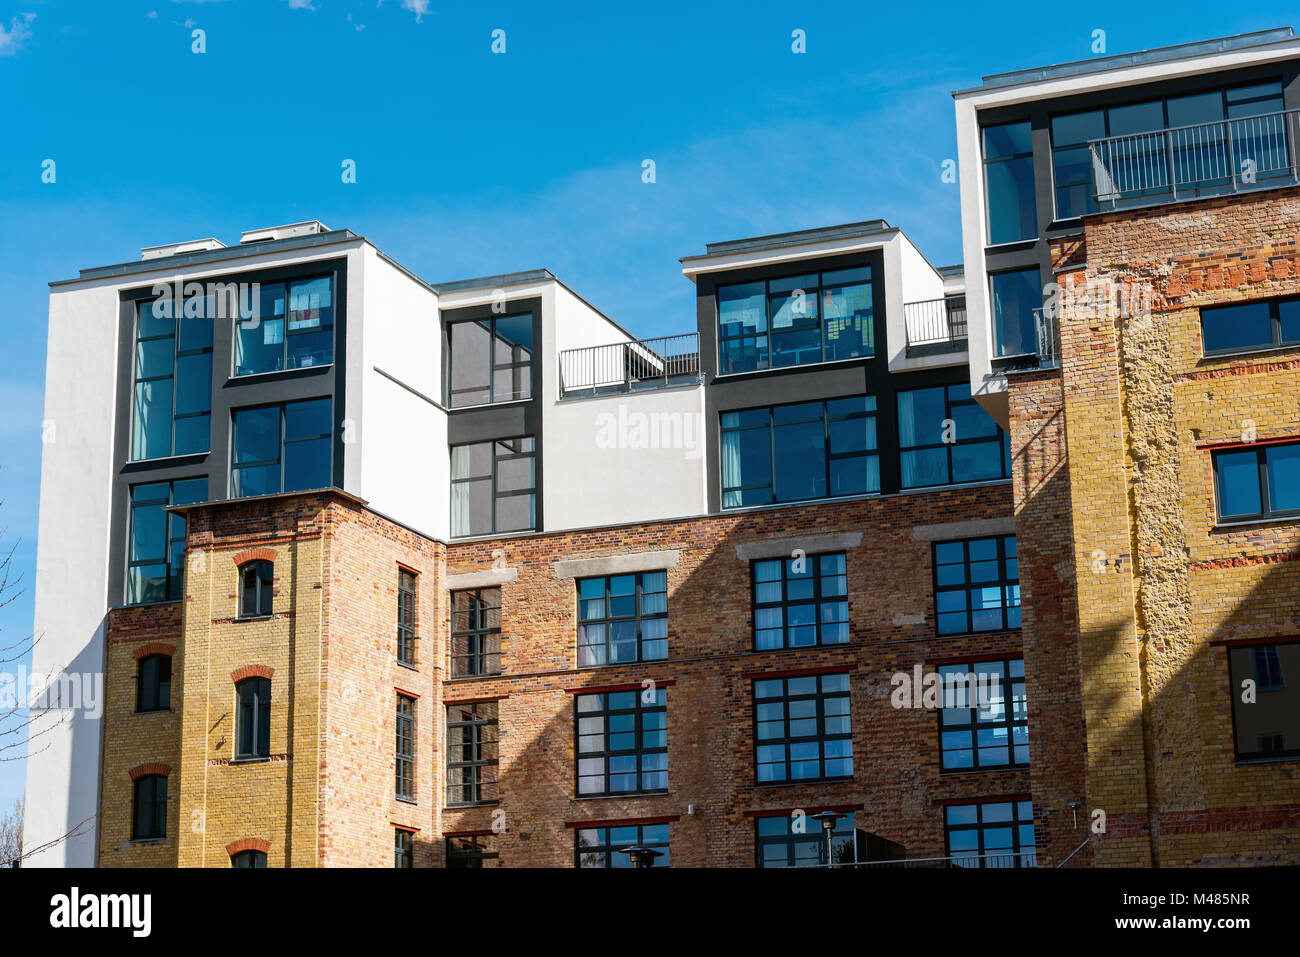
[255, 580]
[253, 718]
[153, 688]
[248, 852]
[149, 802]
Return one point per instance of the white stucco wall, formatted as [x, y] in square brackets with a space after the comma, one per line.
[400, 447]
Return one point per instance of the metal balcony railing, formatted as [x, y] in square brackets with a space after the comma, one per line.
[630, 366]
[1206, 159]
[935, 323]
[1008, 860]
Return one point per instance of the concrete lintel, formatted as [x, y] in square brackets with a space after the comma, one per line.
[808, 544]
[493, 576]
[975, 528]
[616, 564]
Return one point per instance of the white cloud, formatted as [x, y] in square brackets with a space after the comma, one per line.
[12, 40]
[418, 7]
[152, 14]
[301, 5]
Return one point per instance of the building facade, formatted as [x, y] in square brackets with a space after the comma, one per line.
[881, 562]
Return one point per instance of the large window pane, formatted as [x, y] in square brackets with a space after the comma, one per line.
[1009, 183]
[282, 448]
[490, 360]
[493, 487]
[1015, 297]
[1233, 328]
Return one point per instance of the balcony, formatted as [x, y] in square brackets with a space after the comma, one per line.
[1189, 162]
[630, 366]
[1047, 355]
[935, 326]
[1007, 859]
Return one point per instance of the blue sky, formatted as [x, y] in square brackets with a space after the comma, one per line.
[471, 163]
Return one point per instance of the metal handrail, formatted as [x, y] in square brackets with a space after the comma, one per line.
[1029, 857]
[1224, 154]
[932, 321]
[630, 366]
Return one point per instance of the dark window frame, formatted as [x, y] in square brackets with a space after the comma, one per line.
[404, 749]
[948, 405]
[469, 851]
[608, 620]
[766, 363]
[1267, 513]
[407, 593]
[160, 697]
[605, 754]
[493, 366]
[497, 495]
[177, 355]
[1275, 326]
[284, 443]
[785, 603]
[1235, 678]
[986, 162]
[1013, 688]
[872, 413]
[286, 333]
[787, 740]
[607, 847]
[478, 776]
[1003, 583]
[253, 719]
[813, 835]
[403, 847]
[174, 531]
[1020, 854]
[476, 631]
[263, 588]
[254, 858]
[152, 789]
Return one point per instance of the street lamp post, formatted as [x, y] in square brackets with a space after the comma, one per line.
[828, 819]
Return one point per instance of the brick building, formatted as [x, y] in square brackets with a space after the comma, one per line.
[463, 574]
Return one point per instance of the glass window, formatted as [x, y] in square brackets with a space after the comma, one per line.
[604, 846]
[801, 602]
[622, 618]
[1253, 325]
[1009, 183]
[945, 438]
[156, 565]
[472, 755]
[1072, 161]
[149, 813]
[253, 697]
[257, 580]
[622, 742]
[475, 632]
[796, 320]
[802, 730]
[984, 721]
[172, 390]
[403, 848]
[1016, 296]
[977, 585]
[1266, 724]
[1257, 483]
[405, 749]
[493, 487]
[282, 448]
[154, 684]
[266, 340]
[800, 841]
[248, 859]
[790, 453]
[473, 850]
[491, 360]
[406, 617]
[996, 834]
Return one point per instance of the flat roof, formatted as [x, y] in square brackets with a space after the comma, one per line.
[797, 238]
[204, 256]
[493, 282]
[1101, 64]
